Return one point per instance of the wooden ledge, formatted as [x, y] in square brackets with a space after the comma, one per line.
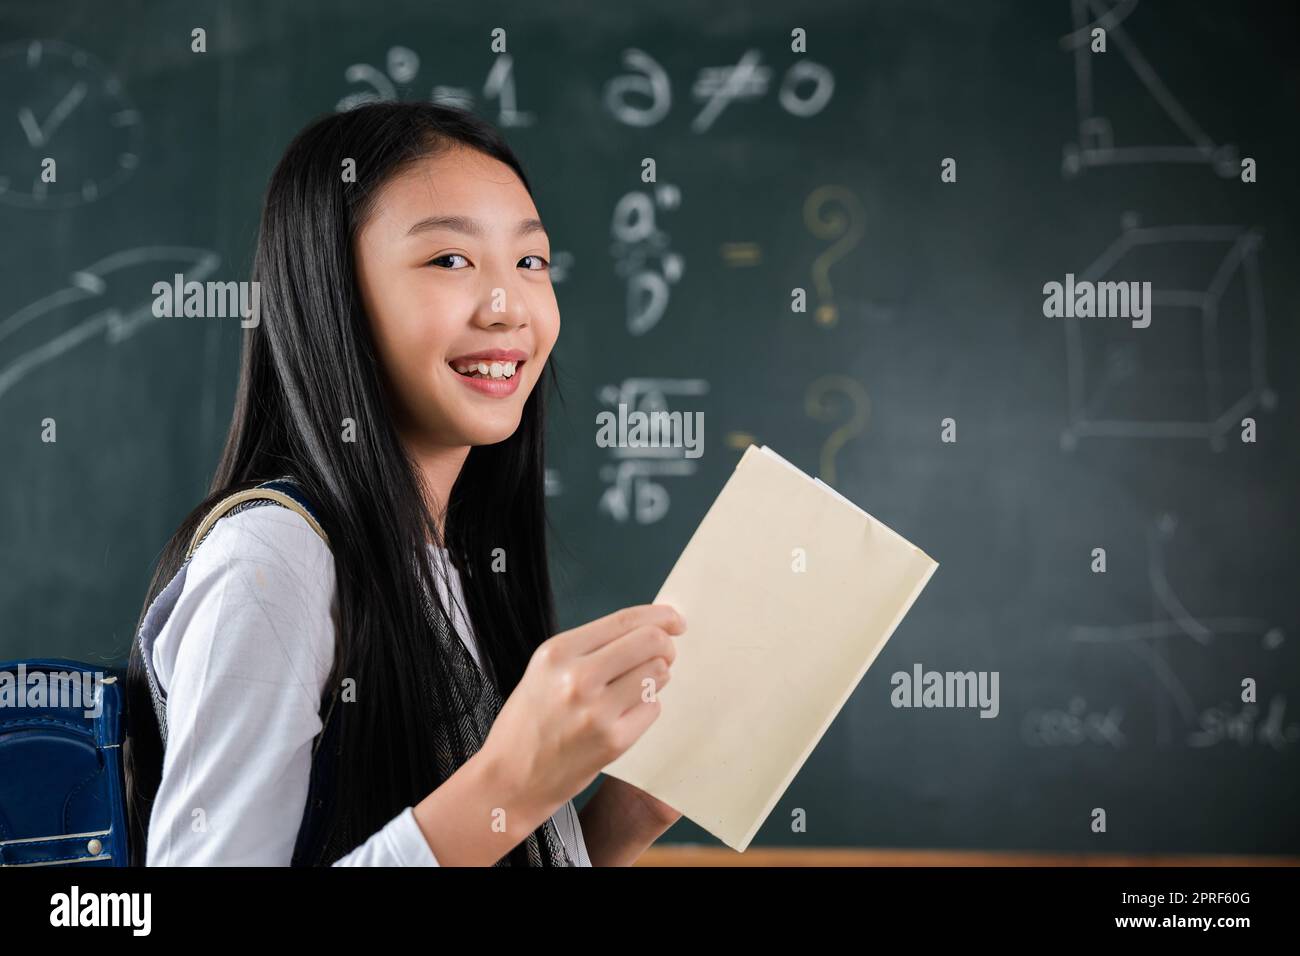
[683, 855]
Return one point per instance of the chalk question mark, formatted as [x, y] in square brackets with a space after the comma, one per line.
[845, 225]
[817, 405]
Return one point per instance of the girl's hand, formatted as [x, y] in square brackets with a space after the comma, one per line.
[652, 809]
[581, 702]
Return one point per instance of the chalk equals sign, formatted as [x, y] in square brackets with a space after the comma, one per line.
[738, 255]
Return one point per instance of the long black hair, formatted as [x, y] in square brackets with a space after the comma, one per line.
[308, 366]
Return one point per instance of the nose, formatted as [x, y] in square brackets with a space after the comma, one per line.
[503, 302]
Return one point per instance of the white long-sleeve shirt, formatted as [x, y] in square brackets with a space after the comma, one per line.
[241, 644]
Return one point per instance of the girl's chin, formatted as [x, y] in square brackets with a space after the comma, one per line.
[489, 429]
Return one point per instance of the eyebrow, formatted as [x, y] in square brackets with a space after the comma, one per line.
[470, 227]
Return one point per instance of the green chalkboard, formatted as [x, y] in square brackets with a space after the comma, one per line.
[776, 170]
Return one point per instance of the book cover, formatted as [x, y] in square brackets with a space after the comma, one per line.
[789, 592]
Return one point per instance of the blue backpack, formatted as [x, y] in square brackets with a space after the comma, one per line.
[62, 727]
[62, 797]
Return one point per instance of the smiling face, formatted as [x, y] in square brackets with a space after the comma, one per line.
[453, 267]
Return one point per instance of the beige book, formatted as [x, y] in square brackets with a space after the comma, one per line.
[789, 591]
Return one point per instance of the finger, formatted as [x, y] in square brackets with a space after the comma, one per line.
[620, 655]
[631, 689]
[588, 637]
[634, 722]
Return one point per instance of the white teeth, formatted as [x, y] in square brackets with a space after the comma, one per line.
[488, 370]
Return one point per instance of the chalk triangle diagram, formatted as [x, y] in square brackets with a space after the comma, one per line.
[1096, 144]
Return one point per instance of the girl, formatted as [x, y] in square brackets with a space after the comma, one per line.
[333, 693]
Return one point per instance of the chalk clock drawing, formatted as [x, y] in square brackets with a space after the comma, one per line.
[62, 104]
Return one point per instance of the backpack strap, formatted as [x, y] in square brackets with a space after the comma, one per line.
[282, 491]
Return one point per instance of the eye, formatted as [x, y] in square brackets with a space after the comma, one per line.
[536, 268]
[450, 255]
